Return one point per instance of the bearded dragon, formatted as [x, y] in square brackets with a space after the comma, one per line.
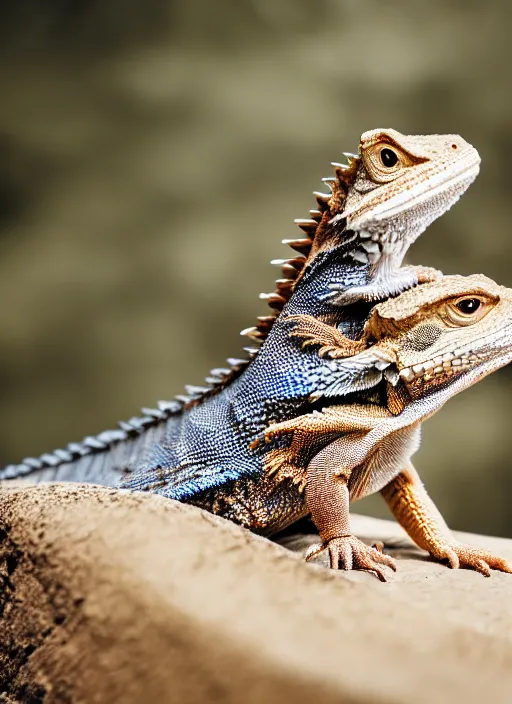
[198, 447]
[416, 352]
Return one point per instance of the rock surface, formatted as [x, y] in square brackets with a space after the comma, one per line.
[115, 597]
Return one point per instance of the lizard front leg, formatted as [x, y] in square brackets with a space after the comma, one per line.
[290, 461]
[417, 514]
[327, 498]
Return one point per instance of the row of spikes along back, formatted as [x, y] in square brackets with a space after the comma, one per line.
[315, 229]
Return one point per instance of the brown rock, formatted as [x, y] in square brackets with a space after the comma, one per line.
[115, 597]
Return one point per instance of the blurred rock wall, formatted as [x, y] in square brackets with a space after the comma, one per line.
[153, 155]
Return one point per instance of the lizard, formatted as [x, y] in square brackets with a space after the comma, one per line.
[437, 339]
[196, 448]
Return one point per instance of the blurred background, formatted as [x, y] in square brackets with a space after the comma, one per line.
[154, 153]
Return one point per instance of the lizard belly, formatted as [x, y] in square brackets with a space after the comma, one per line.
[261, 503]
[385, 462]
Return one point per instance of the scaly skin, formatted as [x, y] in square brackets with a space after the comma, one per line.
[199, 448]
[420, 349]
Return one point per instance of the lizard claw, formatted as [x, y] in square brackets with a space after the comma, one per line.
[472, 558]
[427, 274]
[349, 553]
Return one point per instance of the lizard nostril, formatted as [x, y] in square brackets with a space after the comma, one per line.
[454, 146]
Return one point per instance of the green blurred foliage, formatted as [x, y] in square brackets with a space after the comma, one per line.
[153, 155]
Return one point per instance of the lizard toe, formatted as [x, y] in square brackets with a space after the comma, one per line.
[480, 560]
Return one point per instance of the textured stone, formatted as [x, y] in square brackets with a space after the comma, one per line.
[109, 596]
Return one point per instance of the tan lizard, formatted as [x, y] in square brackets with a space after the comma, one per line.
[417, 351]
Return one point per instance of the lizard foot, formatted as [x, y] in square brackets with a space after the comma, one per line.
[472, 558]
[426, 274]
[349, 553]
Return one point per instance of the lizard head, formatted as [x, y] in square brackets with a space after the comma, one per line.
[378, 204]
[460, 326]
[402, 184]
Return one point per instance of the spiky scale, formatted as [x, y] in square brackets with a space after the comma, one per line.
[138, 422]
[50, 459]
[284, 287]
[153, 412]
[370, 246]
[12, 471]
[111, 436]
[306, 224]
[235, 362]
[23, 469]
[94, 442]
[195, 390]
[33, 462]
[329, 182]
[266, 318]
[274, 300]
[297, 263]
[220, 371]
[251, 332]
[169, 406]
[63, 455]
[77, 448]
[302, 245]
[360, 256]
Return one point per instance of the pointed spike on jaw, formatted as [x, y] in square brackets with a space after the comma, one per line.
[343, 167]
[315, 214]
[350, 155]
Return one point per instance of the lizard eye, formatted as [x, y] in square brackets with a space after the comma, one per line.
[384, 162]
[466, 310]
[388, 157]
[468, 306]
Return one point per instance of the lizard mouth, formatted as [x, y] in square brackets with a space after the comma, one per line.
[440, 366]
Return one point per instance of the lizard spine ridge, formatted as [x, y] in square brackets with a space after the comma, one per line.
[218, 378]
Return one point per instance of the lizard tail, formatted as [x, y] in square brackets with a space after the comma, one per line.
[101, 459]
